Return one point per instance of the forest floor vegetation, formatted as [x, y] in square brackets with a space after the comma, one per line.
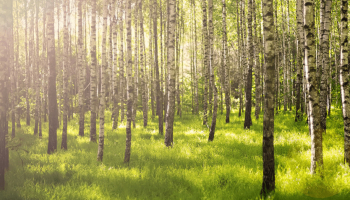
[230, 167]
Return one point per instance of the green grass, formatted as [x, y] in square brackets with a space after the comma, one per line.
[228, 168]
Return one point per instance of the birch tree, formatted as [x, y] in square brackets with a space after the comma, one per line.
[344, 79]
[129, 83]
[103, 85]
[313, 96]
[268, 183]
[81, 69]
[168, 141]
[52, 95]
[93, 89]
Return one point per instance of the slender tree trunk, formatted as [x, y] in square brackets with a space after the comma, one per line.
[213, 122]
[206, 60]
[211, 53]
[142, 63]
[256, 64]
[121, 60]
[225, 67]
[195, 57]
[129, 83]
[44, 70]
[344, 79]
[81, 69]
[27, 71]
[36, 68]
[52, 95]
[325, 60]
[268, 184]
[65, 76]
[116, 86]
[136, 68]
[168, 141]
[248, 105]
[18, 110]
[12, 67]
[239, 18]
[300, 51]
[93, 91]
[313, 96]
[5, 44]
[158, 92]
[103, 85]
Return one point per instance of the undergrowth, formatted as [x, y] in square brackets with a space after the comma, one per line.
[230, 167]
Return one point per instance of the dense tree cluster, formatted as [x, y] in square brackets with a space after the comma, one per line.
[59, 58]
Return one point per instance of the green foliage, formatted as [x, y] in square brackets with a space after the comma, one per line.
[230, 167]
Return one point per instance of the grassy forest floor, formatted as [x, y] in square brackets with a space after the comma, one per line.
[228, 168]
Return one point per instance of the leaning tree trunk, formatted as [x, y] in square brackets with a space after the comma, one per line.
[168, 141]
[344, 79]
[52, 95]
[93, 84]
[268, 184]
[313, 96]
[248, 105]
[103, 85]
[129, 84]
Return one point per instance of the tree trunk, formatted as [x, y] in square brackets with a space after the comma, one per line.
[168, 141]
[225, 67]
[93, 80]
[142, 63]
[65, 76]
[206, 60]
[300, 51]
[239, 18]
[211, 53]
[6, 13]
[215, 109]
[344, 79]
[81, 69]
[103, 85]
[121, 60]
[27, 71]
[248, 105]
[313, 96]
[256, 64]
[325, 60]
[136, 68]
[129, 83]
[268, 184]
[158, 92]
[195, 57]
[52, 95]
